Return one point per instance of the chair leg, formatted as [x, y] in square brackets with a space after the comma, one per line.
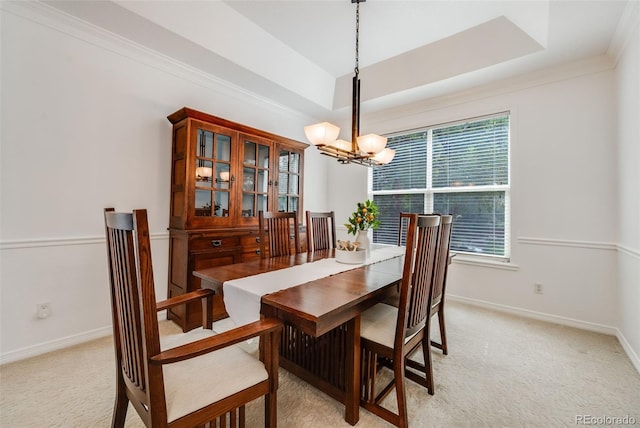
[270, 410]
[443, 332]
[120, 407]
[368, 369]
[428, 368]
[399, 369]
[241, 417]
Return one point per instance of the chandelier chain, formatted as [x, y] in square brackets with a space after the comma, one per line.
[368, 150]
[357, 68]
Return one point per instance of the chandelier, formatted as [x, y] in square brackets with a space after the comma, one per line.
[366, 150]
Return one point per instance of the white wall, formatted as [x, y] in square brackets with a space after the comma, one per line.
[628, 212]
[84, 127]
[563, 187]
[575, 185]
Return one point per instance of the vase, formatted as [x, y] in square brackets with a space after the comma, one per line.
[363, 238]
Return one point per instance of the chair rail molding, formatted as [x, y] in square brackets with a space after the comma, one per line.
[629, 251]
[63, 242]
[568, 243]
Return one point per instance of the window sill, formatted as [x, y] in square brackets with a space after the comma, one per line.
[465, 259]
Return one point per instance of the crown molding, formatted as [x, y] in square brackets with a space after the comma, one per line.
[628, 24]
[57, 20]
[569, 70]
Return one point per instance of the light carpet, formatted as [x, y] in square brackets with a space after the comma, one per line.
[501, 371]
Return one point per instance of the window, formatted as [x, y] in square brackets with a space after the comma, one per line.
[459, 168]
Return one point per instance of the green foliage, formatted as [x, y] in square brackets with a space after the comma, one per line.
[365, 217]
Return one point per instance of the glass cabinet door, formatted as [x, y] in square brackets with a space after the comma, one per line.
[213, 174]
[256, 180]
[289, 181]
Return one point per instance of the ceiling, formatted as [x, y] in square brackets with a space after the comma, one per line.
[302, 53]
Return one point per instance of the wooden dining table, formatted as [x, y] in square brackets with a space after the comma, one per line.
[321, 337]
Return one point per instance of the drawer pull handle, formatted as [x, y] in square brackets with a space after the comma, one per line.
[258, 239]
[216, 243]
[257, 251]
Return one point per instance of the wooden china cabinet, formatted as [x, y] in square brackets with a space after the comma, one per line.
[222, 174]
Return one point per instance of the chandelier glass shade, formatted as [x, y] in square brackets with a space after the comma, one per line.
[366, 150]
[321, 134]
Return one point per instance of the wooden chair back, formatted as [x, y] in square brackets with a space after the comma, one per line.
[321, 230]
[403, 223]
[135, 327]
[414, 305]
[442, 259]
[140, 361]
[277, 228]
[440, 280]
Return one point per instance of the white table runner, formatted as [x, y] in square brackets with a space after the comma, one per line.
[242, 296]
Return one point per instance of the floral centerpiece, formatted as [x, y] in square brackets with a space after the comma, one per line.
[364, 218]
[361, 220]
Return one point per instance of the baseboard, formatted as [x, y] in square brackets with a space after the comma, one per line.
[541, 316]
[54, 345]
[635, 360]
[569, 322]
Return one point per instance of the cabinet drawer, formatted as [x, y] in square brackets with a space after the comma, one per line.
[214, 243]
[253, 255]
[250, 242]
[206, 260]
[250, 252]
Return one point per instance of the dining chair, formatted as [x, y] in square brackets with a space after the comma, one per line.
[277, 229]
[390, 335]
[440, 279]
[441, 268]
[182, 380]
[321, 230]
[402, 227]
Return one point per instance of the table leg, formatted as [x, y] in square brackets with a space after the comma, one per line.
[352, 372]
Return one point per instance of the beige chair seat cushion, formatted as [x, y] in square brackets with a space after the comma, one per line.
[200, 381]
[378, 324]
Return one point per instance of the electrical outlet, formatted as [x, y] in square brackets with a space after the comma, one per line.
[537, 288]
[43, 310]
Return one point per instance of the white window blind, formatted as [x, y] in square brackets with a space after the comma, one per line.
[460, 169]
